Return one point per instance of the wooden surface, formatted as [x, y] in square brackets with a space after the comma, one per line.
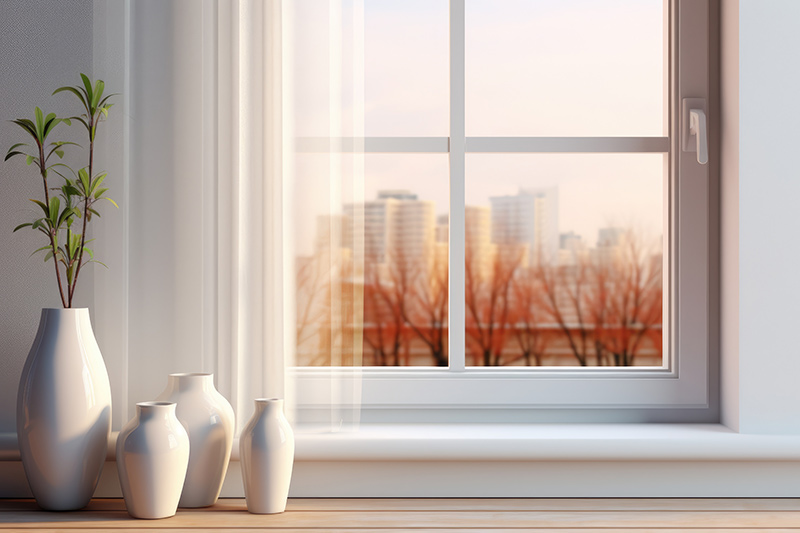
[562, 515]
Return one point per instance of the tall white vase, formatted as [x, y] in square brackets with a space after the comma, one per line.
[152, 457]
[208, 418]
[266, 446]
[64, 411]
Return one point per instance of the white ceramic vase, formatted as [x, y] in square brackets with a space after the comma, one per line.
[209, 420]
[64, 411]
[152, 458]
[266, 447]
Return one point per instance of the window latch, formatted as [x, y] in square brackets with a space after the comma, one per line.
[695, 130]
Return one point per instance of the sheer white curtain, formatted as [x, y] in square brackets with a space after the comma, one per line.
[324, 50]
[255, 267]
[220, 201]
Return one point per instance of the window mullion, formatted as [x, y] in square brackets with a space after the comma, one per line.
[456, 308]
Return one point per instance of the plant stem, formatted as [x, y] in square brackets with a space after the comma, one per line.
[43, 171]
[85, 213]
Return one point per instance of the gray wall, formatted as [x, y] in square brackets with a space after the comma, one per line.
[43, 45]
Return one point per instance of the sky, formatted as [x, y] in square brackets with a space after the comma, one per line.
[533, 68]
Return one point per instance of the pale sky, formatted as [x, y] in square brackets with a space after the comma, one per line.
[534, 68]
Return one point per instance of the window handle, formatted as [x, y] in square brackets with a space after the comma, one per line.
[697, 128]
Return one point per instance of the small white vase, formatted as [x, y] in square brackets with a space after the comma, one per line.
[208, 418]
[266, 447]
[64, 411]
[152, 457]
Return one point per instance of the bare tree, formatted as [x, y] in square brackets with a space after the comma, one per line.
[564, 290]
[309, 306]
[633, 304]
[426, 312]
[488, 301]
[527, 316]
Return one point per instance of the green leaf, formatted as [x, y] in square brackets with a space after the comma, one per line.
[9, 155]
[71, 190]
[55, 203]
[77, 93]
[28, 126]
[83, 175]
[43, 248]
[99, 262]
[60, 154]
[65, 214]
[29, 160]
[82, 121]
[48, 256]
[41, 204]
[74, 244]
[93, 212]
[110, 200]
[104, 111]
[54, 165]
[98, 180]
[104, 100]
[88, 85]
[50, 122]
[17, 146]
[39, 124]
[99, 86]
[66, 121]
[22, 226]
[100, 192]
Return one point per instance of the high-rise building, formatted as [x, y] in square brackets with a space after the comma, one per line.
[397, 227]
[528, 217]
[571, 249]
[478, 239]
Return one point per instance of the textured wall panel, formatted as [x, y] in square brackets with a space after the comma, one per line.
[43, 45]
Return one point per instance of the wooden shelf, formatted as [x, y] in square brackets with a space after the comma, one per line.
[428, 514]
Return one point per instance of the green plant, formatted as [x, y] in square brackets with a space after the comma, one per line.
[76, 196]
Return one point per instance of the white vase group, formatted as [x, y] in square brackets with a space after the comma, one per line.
[174, 452]
[64, 411]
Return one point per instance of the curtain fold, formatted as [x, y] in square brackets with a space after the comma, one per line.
[229, 210]
[253, 297]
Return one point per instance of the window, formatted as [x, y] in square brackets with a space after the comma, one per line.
[511, 216]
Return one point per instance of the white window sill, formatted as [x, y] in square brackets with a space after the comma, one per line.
[517, 442]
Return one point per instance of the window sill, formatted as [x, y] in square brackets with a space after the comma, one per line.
[529, 442]
[547, 442]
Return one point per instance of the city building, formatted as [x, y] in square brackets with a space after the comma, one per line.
[528, 217]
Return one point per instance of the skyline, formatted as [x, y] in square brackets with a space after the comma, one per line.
[496, 208]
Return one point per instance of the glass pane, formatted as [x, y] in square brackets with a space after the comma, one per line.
[371, 274]
[407, 68]
[375, 68]
[565, 67]
[564, 259]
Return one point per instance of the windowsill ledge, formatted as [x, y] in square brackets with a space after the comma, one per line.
[516, 442]
[547, 442]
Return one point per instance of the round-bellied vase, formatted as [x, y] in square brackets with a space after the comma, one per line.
[152, 457]
[64, 411]
[266, 448]
[209, 420]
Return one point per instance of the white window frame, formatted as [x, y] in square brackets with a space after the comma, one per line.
[679, 391]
